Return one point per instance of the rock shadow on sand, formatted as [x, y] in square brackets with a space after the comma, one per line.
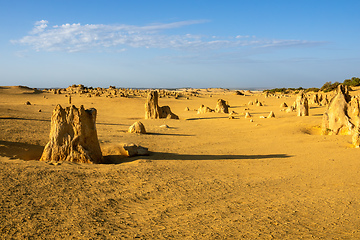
[111, 124]
[175, 156]
[17, 150]
[169, 134]
[24, 151]
[204, 118]
[154, 156]
[24, 119]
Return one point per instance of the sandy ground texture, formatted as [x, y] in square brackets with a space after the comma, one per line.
[207, 177]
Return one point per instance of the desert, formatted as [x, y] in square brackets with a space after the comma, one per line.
[256, 171]
[179, 119]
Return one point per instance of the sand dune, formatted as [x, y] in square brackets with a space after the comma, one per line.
[207, 177]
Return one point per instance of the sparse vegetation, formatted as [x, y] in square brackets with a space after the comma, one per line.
[327, 87]
[283, 90]
[353, 82]
[312, 89]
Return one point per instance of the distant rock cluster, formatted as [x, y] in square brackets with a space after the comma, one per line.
[113, 92]
[98, 92]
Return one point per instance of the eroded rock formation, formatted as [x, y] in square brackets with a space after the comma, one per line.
[324, 101]
[154, 111]
[283, 105]
[221, 106]
[271, 115]
[247, 115]
[354, 107]
[73, 136]
[356, 132]
[302, 105]
[290, 109]
[340, 114]
[315, 99]
[204, 109]
[237, 92]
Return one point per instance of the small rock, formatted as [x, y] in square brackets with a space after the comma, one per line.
[237, 92]
[247, 115]
[134, 150]
[271, 115]
[137, 127]
[290, 109]
[55, 163]
[283, 105]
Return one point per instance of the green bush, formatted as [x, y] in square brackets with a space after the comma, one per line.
[283, 90]
[328, 86]
[353, 82]
[312, 89]
[276, 90]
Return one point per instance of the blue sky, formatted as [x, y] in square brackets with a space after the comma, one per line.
[163, 44]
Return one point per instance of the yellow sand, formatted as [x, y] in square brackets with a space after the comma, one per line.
[208, 176]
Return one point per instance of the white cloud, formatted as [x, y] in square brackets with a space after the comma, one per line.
[39, 26]
[240, 36]
[76, 37]
[289, 43]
